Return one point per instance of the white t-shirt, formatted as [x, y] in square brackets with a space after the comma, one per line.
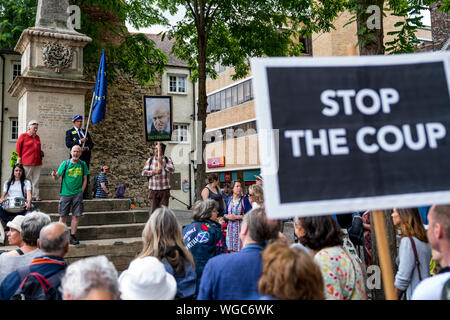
[15, 190]
[431, 288]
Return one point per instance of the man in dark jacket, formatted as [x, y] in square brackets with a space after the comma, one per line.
[54, 243]
[76, 136]
[235, 276]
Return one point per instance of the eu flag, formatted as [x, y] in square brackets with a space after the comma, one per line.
[100, 92]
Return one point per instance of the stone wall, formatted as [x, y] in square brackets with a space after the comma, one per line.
[119, 139]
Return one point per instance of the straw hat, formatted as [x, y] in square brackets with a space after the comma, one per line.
[16, 223]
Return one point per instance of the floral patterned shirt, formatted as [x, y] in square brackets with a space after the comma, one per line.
[341, 273]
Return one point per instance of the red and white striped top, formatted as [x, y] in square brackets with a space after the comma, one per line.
[158, 181]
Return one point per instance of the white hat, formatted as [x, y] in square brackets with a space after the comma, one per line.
[32, 122]
[147, 279]
[16, 223]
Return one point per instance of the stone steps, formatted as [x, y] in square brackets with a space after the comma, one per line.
[115, 217]
[94, 205]
[108, 227]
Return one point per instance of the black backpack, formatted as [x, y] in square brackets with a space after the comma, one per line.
[35, 286]
[94, 184]
[356, 231]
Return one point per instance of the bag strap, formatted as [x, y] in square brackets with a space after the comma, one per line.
[64, 173]
[42, 281]
[416, 256]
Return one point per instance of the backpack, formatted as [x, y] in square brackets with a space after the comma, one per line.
[186, 281]
[35, 286]
[356, 230]
[94, 185]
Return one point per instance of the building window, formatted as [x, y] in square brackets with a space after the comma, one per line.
[230, 97]
[239, 130]
[177, 84]
[15, 70]
[180, 133]
[13, 129]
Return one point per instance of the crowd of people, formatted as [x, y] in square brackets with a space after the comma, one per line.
[22, 188]
[231, 250]
[249, 259]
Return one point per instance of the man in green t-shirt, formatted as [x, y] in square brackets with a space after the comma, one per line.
[74, 180]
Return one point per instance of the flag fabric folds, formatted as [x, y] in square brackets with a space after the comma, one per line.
[100, 92]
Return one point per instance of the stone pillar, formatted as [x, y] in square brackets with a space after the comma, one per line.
[51, 91]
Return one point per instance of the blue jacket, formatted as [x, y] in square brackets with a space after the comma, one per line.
[247, 204]
[232, 276]
[45, 265]
[204, 239]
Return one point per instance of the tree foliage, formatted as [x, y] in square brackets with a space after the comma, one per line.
[410, 19]
[15, 16]
[231, 32]
[104, 22]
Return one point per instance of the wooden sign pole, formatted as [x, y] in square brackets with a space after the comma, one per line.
[385, 258]
[159, 155]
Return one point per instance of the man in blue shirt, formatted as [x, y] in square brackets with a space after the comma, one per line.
[235, 276]
[103, 190]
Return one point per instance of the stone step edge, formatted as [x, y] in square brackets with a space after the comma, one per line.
[92, 243]
[53, 214]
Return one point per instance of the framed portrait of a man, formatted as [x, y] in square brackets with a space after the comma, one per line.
[158, 118]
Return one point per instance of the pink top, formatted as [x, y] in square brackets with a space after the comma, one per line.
[29, 149]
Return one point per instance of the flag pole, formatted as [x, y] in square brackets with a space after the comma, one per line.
[89, 118]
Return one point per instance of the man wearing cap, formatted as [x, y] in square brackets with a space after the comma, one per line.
[77, 137]
[259, 180]
[103, 190]
[28, 148]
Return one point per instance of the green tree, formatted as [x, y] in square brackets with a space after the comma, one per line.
[371, 38]
[104, 22]
[15, 16]
[231, 32]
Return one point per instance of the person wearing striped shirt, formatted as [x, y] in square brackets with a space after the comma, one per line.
[157, 169]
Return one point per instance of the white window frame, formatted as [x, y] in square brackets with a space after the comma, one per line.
[177, 83]
[11, 126]
[13, 65]
[175, 136]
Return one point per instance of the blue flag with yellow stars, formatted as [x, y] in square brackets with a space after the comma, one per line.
[100, 92]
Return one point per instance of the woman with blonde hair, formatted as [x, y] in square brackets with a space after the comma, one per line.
[256, 195]
[162, 239]
[414, 252]
[289, 273]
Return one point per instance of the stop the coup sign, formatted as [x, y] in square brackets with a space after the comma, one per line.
[353, 133]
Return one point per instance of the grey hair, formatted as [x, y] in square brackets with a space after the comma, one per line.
[202, 209]
[56, 245]
[32, 225]
[159, 104]
[75, 146]
[261, 228]
[91, 273]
